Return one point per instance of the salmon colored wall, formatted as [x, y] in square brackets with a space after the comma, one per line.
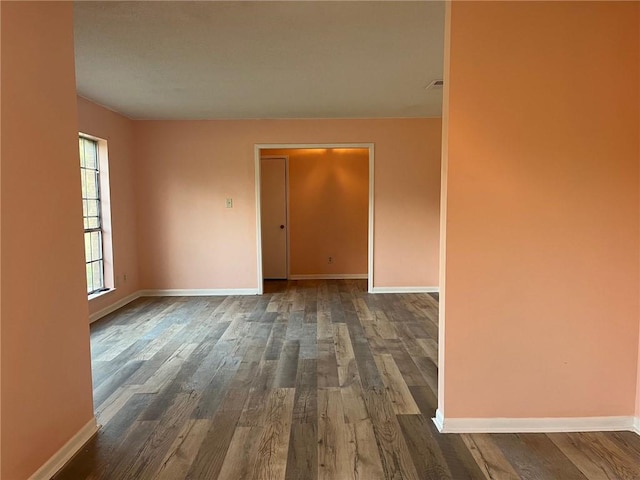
[118, 132]
[0, 258]
[638, 367]
[186, 169]
[541, 305]
[328, 210]
[46, 370]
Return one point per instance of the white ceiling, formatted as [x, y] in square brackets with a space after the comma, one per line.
[263, 59]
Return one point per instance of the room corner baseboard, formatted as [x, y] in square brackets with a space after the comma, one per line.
[636, 425]
[534, 425]
[405, 290]
[68, 450]
[329, 276]
[113, 307]
[179, 292]
[439, 420]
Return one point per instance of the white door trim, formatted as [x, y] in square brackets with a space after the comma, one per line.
[263, 146]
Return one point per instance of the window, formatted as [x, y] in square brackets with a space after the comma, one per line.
[92, 215]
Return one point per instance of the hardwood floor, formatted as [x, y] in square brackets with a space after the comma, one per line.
[312, 380]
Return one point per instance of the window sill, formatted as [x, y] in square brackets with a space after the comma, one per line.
[93, 296]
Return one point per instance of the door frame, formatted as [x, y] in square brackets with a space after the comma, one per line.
[264, 146]
[286, 188]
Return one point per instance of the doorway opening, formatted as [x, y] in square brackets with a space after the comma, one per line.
[314, 211]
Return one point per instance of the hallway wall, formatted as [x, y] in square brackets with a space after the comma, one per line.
[46, 369]
[542, 260]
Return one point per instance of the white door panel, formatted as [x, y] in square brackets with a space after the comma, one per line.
[273, 200]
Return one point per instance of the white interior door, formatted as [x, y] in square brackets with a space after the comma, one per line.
[273, 201]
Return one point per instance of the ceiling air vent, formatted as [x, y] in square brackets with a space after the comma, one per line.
[436, 84]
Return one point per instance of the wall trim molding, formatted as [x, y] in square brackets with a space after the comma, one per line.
[405, 290]
[439, 420]
[534, 425]
[197, 292]
[66, 452]
[114, 306]
[329, 276]
[636, 425]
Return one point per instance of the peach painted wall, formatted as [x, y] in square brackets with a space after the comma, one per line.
[542, 278]
[0, 256]
[638, 367]
[46, 371]
[118, 132]
[328, 210]
[186, 169]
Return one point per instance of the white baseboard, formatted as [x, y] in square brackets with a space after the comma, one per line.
[405, 290]
[113, 307]
[330, 276]
[439, 420]
[533, 425]
[179, 292]
[636, 425]
[68, 450]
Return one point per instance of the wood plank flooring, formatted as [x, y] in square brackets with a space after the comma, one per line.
[313, 380]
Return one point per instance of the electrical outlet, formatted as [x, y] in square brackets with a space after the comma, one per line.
[330, 260]
[229, 203]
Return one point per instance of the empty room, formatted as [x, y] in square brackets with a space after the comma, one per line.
[320, 240]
